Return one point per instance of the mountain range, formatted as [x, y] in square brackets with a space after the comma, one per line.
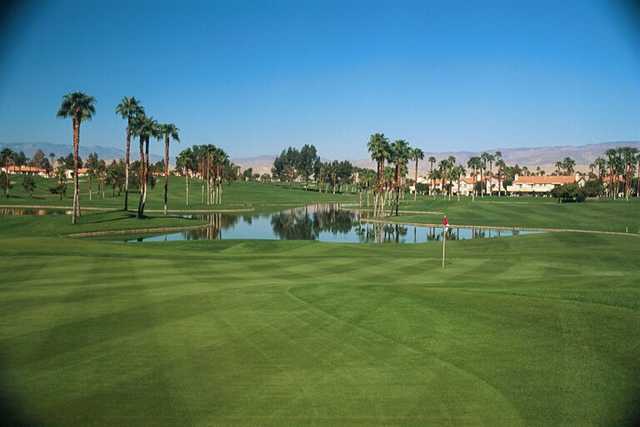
[545, 157]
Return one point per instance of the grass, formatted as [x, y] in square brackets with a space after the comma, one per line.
[532, 212]
[238, 195]
[60, 225]
[535, 330]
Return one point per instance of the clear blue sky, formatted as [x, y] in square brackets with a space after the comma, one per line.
[256, 76]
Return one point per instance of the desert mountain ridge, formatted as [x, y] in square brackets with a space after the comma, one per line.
[545, 157]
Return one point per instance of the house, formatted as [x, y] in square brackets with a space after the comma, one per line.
[466, 186]
[81, 172]
[542, 185]
[24, 170]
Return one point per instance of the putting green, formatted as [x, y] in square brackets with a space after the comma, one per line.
[534, 330]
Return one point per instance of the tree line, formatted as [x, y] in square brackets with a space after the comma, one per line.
[305, 165]
[212, 166]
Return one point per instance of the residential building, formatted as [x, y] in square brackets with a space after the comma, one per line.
[542, 185]
[24, 170]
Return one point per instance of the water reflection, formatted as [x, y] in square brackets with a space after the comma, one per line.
[327, 223]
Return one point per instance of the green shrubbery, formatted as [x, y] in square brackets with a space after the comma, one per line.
[569, 193]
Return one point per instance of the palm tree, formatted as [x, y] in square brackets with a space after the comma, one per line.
[432, 161]
[628, 157]
[497, 157]
[92, 169]
[568, 164]
[380, 151]
[558, 166]
[487, 159]
[434, 176]
[80, 107]
[144, 128]
[451, 162]
[613, 162]
[169, 131]
[400, 154]
[7, 156]
[186, 162]
[501, 165]
[128, 109]
[484, 157]
[601, 164]
[457, 172]
[416, 155]
[444, 167]
[638, 181]
[52, 162]
[474, 163]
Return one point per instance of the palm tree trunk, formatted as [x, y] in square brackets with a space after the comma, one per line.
[126, 169]
[187, 183]
[146, 175]
[141, 176]
[415, 183]
[638, 183]
[166, 172]
[629, 182]
[76, 183]
[397, 187]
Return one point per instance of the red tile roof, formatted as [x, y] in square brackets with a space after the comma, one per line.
[548, 179]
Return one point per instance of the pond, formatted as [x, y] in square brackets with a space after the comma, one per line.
[325, 223]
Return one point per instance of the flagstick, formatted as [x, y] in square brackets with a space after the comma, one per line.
[444, 245]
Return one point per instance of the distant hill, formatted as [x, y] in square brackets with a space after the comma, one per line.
[545, 157]
[106, 153]
[259, 164]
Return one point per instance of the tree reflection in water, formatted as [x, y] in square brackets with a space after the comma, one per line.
[216, 222]
[331, 223]
[307, 223]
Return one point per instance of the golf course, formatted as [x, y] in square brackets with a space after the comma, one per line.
[540, 329]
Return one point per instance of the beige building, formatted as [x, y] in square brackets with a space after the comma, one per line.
[24, 170]
[542, 184]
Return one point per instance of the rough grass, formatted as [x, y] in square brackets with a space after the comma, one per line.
[535, 330]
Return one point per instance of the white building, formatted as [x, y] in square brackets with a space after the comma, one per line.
[24, 170]
[542, 184]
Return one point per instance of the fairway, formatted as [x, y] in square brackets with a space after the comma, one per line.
[319, 214]
[534, 330]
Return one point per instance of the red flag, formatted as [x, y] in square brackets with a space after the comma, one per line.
[445, 221]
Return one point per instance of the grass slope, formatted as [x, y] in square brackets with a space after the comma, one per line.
[535, 330]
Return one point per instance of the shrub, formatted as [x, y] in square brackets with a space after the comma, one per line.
[569, 193]
[593, 188]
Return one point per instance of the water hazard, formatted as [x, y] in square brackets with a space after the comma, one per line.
[325, 223]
